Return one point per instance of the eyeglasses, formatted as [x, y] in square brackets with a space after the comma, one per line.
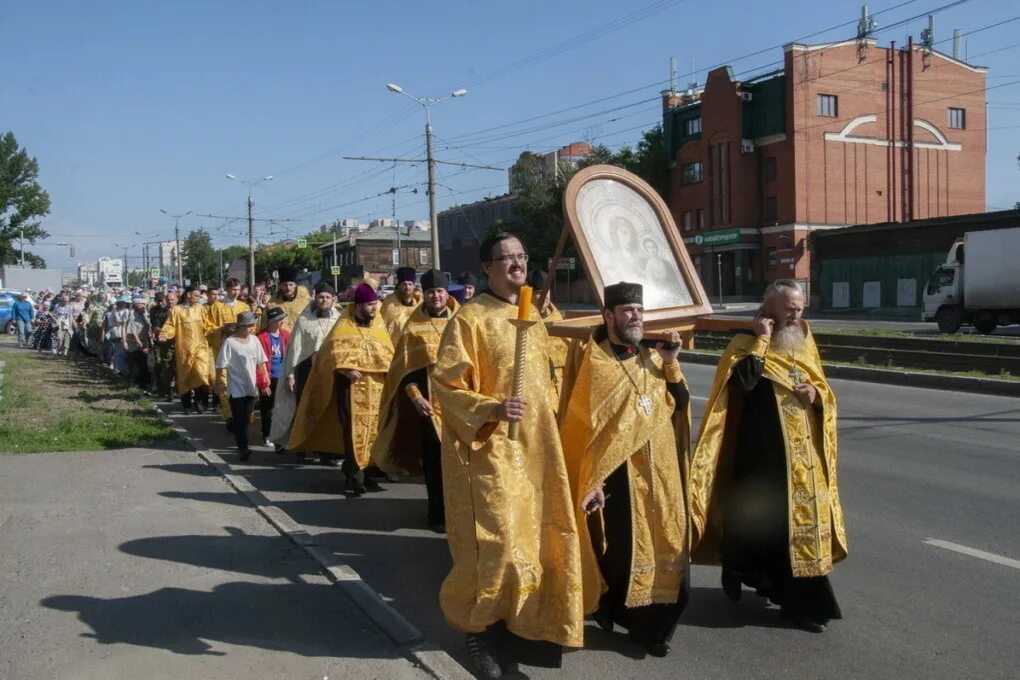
[513, 257]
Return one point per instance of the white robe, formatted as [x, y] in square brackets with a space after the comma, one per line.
[305, 339]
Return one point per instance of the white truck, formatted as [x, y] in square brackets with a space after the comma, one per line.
[979, 283]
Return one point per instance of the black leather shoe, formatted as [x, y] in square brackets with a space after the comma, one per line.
[245, 455]
[484, 662]
[659, 649]
[604, 618]
[807, 624]
[731, 584]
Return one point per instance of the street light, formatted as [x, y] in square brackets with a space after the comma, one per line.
[427, 103]
[251, 228]
[177, 248]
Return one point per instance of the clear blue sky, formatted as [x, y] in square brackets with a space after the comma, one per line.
[135, 106]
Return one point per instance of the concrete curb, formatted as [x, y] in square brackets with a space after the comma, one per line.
[404, 634]
[991, 386]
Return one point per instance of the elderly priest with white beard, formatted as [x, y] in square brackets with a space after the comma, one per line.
[763, 491]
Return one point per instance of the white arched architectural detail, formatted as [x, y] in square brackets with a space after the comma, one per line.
[845, 137]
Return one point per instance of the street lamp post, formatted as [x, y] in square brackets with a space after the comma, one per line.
[250, 183]
[177, 247]
[427, 103]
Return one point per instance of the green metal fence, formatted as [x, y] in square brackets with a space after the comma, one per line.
[890, 285]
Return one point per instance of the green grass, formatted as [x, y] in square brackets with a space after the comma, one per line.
[88, 432]
[940, 337]
[55, 405]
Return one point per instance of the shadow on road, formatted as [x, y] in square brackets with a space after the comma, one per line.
[280, 617]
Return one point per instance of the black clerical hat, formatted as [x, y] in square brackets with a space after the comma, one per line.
[434, 278]
[623, 293]
[467, 279]
[287, 274]
[406, 274]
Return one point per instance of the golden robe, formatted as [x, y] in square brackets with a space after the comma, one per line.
[558, 347]
[817, 532]
[397, 450]
[395, 313]
[186, 327]
[293, 308]
[601, 429]
[317, 424]
[509, 514]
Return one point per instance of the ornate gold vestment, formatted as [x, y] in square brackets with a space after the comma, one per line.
[397, 450]
[317, 423]
[558, 348]
[220, 314]
[509, 514]
[186, 327]
[395, 313]
[816, 527]
[603, 426]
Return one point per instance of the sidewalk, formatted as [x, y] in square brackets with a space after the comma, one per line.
[143, 563]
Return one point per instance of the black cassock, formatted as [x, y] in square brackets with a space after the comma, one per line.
[755, 539]
[649, 624]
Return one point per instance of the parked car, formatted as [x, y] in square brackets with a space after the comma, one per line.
[386, 289]
[6, 320]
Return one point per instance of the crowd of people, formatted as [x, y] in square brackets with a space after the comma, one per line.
[567, 484]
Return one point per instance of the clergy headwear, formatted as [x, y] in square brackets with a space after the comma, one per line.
[406, 274]
[457, 292]
[287, 274]
[434, 278]
[325, 287]
[467, 279]
[623, 293]
[365, 293]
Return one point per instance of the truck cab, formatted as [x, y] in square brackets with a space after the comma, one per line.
[943, 296]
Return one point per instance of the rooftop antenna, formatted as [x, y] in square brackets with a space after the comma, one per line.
[928, 42]
[956, 44]
[865, 27]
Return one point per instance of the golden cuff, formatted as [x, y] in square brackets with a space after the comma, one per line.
[761, 345]
[673, 372]
[412, 391]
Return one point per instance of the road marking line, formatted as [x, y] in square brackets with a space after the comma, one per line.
[980, 554]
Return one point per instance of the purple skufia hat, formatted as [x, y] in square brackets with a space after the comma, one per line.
[365, 293]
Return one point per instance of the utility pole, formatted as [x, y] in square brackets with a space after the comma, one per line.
[251, 245]
[250, 183]
[336, 283]
[177, 243]
[22, 247]
[433, 220]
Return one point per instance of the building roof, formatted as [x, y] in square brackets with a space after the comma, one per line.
[1000, 218]
[421, 236]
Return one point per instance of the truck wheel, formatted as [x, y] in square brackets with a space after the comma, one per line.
[984, 326]
[949, 319]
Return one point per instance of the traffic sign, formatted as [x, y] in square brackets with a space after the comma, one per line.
[154, 273]
[565, 264]
[302, 243]
[335, 270]
[396, 256]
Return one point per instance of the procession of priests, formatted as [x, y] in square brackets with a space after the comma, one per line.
[564, 473]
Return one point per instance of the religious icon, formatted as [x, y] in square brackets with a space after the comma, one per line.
[624, 232]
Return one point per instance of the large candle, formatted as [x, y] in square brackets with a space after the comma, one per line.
[524, 303]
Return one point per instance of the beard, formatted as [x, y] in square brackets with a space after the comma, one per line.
[630, 335]
[789, 338]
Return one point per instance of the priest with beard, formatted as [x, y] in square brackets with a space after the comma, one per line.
[401, 303]
[764, 495]
[625, 428]
[291, 297]
[338, 414]
[410, 425]
[310, 330]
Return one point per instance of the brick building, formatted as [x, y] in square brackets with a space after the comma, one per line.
[462, 228]
[845, 133]
[375, 251]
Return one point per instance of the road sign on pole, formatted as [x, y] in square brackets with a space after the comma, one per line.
[335, 270]
[302, 243]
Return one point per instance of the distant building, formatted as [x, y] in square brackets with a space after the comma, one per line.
[376, 252]
[844, 133]
[88, 274]
[168, 259]
[462, 228]
[343, 227]
[550, 164]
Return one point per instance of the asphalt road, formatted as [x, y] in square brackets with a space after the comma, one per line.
[916, 465]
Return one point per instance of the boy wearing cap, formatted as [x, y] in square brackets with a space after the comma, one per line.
[241, 377]
[274, 339]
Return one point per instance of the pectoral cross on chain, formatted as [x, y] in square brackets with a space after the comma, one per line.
[644, 404]
[796, 376]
